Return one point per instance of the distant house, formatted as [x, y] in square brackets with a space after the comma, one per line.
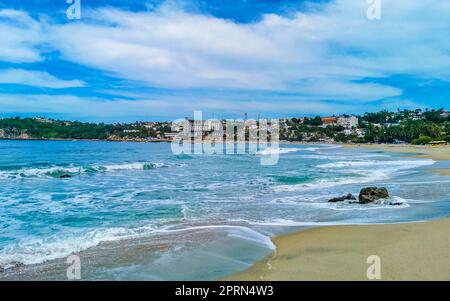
[348, 122]
[348, 132]
[445, 114]
[43, 119]
[329, 121]
[150, 125]
[438, 143]
[171, 136]
[396, 141]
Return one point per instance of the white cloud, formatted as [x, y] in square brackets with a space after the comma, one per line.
[332, 52]
[19, 36]
[335, 45]
[37, 79]
[168, 107]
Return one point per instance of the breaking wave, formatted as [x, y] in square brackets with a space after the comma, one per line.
[274, 150]
[399, 164]
[35, 251]
[57, 171]
[334, 181]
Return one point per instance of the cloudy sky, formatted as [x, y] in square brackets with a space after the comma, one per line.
[127, 60]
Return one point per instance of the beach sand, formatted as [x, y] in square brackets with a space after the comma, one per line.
[418, 151]
[409, 251]
[412, 251]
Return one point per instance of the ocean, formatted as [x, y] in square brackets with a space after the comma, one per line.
[136, 211]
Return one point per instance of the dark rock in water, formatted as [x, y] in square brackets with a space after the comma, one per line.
[396, 204]
[65, 176]
[342, 198]
[371, 194]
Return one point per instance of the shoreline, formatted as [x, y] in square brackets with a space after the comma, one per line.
[408, 251]
[294, 244]
[436, 153]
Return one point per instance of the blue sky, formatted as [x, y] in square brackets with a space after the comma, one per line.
[127, 60]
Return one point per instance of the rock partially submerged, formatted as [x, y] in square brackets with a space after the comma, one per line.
[342, 198]
[65, 176]
[366, 196]
[371, 194]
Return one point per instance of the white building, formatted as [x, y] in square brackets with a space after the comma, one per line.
[348, 122]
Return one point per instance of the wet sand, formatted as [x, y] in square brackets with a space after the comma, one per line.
[410, 251]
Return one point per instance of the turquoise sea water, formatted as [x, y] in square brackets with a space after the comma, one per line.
[199, 217]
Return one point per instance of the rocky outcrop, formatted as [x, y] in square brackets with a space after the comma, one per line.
[342, 198]
[366, 196]
[371, 194]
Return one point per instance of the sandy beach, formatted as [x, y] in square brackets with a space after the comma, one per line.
[408, 251]
[419, 151]
[413, 251]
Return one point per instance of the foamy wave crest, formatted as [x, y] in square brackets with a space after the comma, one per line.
[275, 150]
[132, 166]
[56, 171]
[399, 164]
[368, 177]
[322, 147]
[291, 223]
[35, 251]
[233, 231]
[394, 202]
[364, 171]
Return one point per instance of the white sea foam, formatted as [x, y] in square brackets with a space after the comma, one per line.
[133, 166]
[274, 150]
[394, 202]
[184, 211]
[369, 176]
[311, 149]
[338, 156]
[38, 250]
[35, 251]
[291, 223]
[397, 164]
[369, 171]
[251, 234]
[57, 171]
[321, 147]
